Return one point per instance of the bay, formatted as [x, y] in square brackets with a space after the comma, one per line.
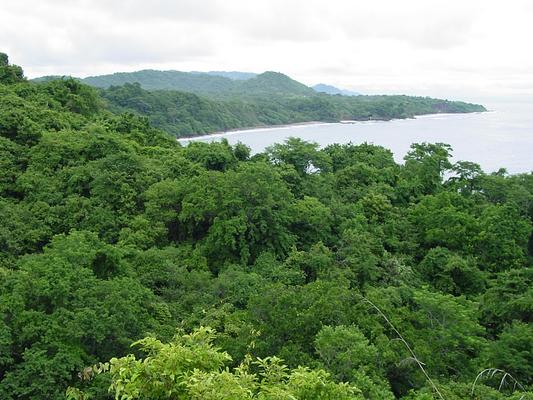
[499, 138]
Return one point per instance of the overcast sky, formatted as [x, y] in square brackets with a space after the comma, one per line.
[451, 48]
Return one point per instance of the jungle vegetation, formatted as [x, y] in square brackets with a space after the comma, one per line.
[189, 104]
[296, 273]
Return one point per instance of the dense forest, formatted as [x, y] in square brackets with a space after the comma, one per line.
[132, 267]
[208, 84]
[187, 114]
[188, 104]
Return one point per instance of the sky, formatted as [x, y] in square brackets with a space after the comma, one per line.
[454, 48]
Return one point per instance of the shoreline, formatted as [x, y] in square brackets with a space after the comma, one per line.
[310, 123]
[254, 128]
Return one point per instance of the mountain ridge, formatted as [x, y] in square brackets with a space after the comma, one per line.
[188, 104]
[210, 83]
[332, 90]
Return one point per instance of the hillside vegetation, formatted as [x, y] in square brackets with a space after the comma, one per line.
[191, 103]
[328, 89]
[208, 84]
[330, 273]
[187, 114]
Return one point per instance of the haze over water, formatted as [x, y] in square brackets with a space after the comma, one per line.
[500, 138]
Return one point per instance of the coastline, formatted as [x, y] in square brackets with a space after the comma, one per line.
[260, 128]
[254, 128]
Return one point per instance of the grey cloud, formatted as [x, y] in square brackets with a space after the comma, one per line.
[275, 20]
[84, 39]
[174, 42]
[182, 10]
[121, 10]
[426, 24]
[381, 45]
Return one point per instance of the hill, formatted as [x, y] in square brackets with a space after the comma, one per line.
[266, 99]
[212, 84]
[195, 103]
[165, 80]
[188, 114]
[332, 90]
[273, 84]
[235, 75]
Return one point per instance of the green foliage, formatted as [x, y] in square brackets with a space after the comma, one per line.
[188, 104]
[512, 352]
[9, 73]
[311, 221]
[191, 367]
[502, 241]
[111, 231]
[303, 156]
[451, 273]
[463, 391]
[509, 298]
[446, 220]
[346, 352]
[425, 166]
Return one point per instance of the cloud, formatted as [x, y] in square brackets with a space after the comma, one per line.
[276, 20]
[428, 24]
[119, 10]
[379, 46]
[83, 37]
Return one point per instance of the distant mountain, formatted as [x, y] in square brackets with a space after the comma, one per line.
[212, 84]
[234, 75]
[165, 80]
[328, 89]
[275, 83]
[192, 103]
[48, 78]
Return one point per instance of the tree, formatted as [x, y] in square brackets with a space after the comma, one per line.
[252, 214]
[442, 330]
[425, 165]
[316, 263]
[451, 273]
[66, 308]
[191, 367]
[303, 156]
[360, 253]
[289, 317]
[217, 156]
[9, 74]
[241, 151]
[347, 353]
[310, 222]
[509, 298]
[73, 95]
[345, 155]
[503, 238]
[512, 352]
[467, 178]
[445, 220]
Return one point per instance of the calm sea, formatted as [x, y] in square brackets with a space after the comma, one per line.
[502, 137]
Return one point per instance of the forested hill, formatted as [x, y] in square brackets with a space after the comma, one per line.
[328, 89]
[207, 102]
[235, 75]
[207, 84]
[202, 82]
[331, 273]
[187, 114]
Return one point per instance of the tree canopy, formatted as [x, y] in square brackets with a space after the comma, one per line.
[331, 273]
